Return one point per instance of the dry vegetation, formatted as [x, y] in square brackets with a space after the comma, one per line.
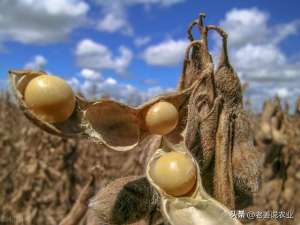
[41, 175]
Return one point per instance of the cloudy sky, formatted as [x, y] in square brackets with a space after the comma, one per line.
[133, 49]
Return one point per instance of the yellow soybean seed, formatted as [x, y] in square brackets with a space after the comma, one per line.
[50, 98]
[175, 173]
[161, 118]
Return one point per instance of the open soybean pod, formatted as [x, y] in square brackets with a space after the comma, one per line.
[20, 80]
[195, 207]
[116, 125]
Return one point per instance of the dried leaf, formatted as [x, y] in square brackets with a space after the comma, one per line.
[124, 201]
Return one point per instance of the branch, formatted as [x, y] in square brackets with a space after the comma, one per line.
[81, 205]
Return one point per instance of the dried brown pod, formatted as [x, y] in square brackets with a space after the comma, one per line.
[197, 57]
[270, 109]
[203, 104]
[222, 138]
[271, 126]
[243, 157]
[227, 82]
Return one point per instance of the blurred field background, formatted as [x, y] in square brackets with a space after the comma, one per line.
[41, 175]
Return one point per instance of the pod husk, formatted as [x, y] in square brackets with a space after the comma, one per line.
[113, 124]
[118, 126]
[244, 161]
[197, 208]
[70, 128]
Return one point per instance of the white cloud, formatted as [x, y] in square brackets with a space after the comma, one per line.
[90, 74]
[134, 2]
[251, 56]
[110, 87]
[256, 53]
[74, 83]
[282, 92]
[122, 62]
[97, 56]
[257, 92]
[110, 81]
[38, 62]
[255, 46]
[245, 26]
[167, 53]
[155, 91]
[282, 31]
[140, 41]
[115, 17]
[35, 21]
[250, 26]
[112, 23]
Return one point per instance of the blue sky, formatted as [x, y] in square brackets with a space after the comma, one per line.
[132, 49]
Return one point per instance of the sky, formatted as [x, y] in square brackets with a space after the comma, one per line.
[133, 49]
